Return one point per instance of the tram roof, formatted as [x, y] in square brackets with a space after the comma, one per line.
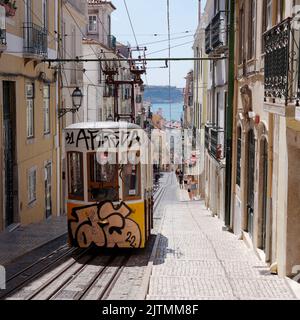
[103, 125]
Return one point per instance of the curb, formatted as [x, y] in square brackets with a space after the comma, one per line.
[12, 259]
[148, 272]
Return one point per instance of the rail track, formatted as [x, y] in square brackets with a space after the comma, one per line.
[72, 274]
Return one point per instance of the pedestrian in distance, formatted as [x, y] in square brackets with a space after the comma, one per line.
[180, 176]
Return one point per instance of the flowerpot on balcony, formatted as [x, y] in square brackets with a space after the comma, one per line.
[9, 9]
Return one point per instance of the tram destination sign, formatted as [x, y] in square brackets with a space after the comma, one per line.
[111, 140]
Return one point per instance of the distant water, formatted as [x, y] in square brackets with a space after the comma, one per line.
[177, 110]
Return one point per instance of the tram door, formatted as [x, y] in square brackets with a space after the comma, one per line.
[251, 168]
[48, 200]
[9, 123]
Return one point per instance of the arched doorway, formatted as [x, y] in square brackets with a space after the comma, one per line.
[250, 182]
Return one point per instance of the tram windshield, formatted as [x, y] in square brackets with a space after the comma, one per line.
[103, 178]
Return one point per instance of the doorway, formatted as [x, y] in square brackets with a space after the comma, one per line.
[264, 203]
[9, 144]
[250, 189]
[48, 188]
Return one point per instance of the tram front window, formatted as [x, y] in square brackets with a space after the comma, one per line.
[75, 176]
[103, 179]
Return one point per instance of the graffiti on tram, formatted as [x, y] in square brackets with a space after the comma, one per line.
[104, 225]
[92, 140]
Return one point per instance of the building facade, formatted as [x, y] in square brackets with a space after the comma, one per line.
[266, 143]
[216, 45]
[200, 99]
[28, 134]
[104, 101]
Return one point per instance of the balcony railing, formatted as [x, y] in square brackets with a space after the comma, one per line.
[281, 48]
[216, 33]
[208, 46]
[217, 143]
[2, 37]
[112, 42]
[35, 40]
[214, 141]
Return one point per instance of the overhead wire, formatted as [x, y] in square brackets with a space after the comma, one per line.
[169, 49]
[133, 31]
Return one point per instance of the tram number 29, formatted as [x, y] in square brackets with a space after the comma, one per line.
[131, 239]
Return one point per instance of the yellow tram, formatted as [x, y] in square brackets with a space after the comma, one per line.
[108, 185]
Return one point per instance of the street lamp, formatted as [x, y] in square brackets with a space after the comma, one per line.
[77, 98]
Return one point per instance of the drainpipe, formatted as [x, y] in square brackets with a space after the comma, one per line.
[229, 116]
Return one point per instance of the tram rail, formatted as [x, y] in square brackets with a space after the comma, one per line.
[61, 274]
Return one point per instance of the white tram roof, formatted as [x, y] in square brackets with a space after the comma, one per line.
[103, 125]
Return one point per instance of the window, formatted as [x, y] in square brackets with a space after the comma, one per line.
[64, 37]
[30, 110]
[269, 14]
[242, 36]
[45, 14]
[252, 33]
[280, 10]
[93, 23]
[102, 176]
[216, 6]
[73, 54]
[75, 175]
[267, 19]
[139, 98]
[46, 96]
[100, 73]
[2, 26]
[31, 185]
[28, 11]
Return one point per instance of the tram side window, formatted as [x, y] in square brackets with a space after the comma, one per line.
[131, 182]
[75, 176]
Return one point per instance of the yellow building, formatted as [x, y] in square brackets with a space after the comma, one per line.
[27, 112]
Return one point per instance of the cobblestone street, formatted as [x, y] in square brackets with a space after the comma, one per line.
[195, 259]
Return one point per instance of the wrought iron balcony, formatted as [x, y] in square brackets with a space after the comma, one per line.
[219, 30]
[35, 40]
[282, 63]
[217, 143]
[216, 33]
[214, 141]
[112, 42]
[207, 136]
[2, 37]
[208, 47]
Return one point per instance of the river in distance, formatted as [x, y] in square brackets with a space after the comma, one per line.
[176, 110]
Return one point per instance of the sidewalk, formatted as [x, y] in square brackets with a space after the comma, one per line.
[25, 239]
[195, 259]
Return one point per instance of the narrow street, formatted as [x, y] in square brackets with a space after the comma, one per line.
[195, 259]
[149, 153]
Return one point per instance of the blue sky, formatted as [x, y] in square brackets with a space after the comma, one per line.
[149, 17]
